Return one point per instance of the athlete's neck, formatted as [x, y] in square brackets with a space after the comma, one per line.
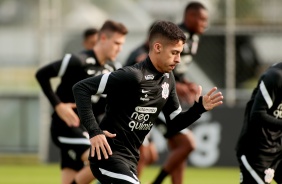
[100, 55]
[154, 60]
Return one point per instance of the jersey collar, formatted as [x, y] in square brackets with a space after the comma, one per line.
[152, 69]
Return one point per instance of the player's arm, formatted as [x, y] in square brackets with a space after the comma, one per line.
[58, 69]
[43, 76]
[268, 89]
[177, 119]
[102, 84]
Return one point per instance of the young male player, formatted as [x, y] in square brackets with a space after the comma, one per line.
[135, 97]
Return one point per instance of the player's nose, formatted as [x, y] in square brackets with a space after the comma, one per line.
[177, 59]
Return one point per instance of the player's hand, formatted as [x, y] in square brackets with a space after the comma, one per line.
[108, 134]
[66, 113]
[99, 143]
[186, 91]
[181, 89]
[211, 99]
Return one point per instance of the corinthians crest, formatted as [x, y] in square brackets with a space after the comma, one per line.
[165, 91]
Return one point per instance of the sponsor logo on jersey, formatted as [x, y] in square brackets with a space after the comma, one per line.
[149, 77]
[186, 48]
[166, 75]
[90, 60]
[165, 91]
[105, 71]
[91, 72]
[195, 42]
[140, 126]
[95, 98]
[269, 174]
[146, 109]
[140, 121]
[145, 99]
[108, 67]
[278, 112]
[145, 91]
[72, 154]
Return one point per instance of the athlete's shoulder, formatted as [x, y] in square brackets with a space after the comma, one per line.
[134, 72]
[114, 65]
[85, 57]
[273, 73]
[133, 69]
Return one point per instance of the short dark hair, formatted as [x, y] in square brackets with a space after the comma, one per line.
[194, 6]
[166, 30]
[112, 26]
[89, 32]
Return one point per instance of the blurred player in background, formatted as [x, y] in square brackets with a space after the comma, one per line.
[259, 148]
[181, 144]
[89, 38]
[66, 131]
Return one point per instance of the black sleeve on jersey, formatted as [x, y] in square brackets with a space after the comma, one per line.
[272, 82]
[177, 120]
[186, 118]
[44, 75]
[102, 84]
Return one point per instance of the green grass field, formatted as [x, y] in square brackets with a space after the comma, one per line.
[50, 174]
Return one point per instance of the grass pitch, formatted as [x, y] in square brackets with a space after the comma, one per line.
[50, 174]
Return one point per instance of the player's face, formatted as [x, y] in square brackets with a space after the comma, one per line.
[113, 45]
[170, 56]
[197, 20]
[90, 41]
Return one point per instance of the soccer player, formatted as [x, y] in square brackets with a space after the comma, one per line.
[66, 130]
[181, 144]
[135, 97]
[259, 147]
[89, 38]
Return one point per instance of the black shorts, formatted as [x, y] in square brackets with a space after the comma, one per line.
[72, 142]
[114, 170]
[252, 170]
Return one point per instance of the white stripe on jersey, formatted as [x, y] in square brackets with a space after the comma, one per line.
[119, 176]
[68, 140]
[64, 65]
[162, 117]
[265, 94]
[175, 113]
[135, 176]
[251, 170]
[103, 83]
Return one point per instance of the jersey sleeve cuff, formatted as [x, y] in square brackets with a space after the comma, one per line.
[198, 106]
[95, 132]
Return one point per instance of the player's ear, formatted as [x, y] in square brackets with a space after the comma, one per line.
[157, 47]
[103, 36]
